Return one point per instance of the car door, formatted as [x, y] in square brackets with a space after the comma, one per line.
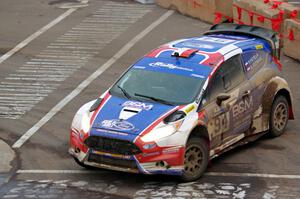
[229, 119]
[259, 69]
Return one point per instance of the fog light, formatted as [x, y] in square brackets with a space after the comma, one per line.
[149, 146]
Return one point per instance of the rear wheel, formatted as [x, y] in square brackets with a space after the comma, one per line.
[195, 159]
[279, 116]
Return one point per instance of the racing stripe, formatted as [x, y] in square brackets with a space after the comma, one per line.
[211, 58]
[158, 51]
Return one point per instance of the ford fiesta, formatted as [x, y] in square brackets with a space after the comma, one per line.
[185, 103]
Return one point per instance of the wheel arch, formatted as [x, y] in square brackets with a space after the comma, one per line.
[200, 131]
[276, 86]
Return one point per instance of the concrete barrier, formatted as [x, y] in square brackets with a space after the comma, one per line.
[264, 13]
[277, 15]
[206, 10]
[292, 38]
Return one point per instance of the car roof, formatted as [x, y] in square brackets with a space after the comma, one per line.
[200, 53]
[208, 49]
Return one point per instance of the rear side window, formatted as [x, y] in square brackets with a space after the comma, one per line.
[253, 61]
[228, 76]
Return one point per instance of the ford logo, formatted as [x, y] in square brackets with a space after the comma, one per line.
[117, 125]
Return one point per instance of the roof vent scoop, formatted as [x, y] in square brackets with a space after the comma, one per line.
[184, 52]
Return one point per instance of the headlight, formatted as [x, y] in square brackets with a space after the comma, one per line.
[175, 116]
[162, 132]
[85, 123]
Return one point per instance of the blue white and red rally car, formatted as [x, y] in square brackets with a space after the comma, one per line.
[185, 103]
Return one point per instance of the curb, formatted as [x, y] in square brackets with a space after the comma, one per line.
[7, 155]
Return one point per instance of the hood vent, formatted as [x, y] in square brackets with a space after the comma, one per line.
[127, 113]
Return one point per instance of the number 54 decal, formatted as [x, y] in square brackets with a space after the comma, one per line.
[221, 123]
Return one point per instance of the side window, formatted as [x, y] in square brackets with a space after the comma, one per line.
[228, 76]
[253, 61]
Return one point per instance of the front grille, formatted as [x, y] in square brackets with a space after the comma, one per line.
[112, 161]
[110, 145]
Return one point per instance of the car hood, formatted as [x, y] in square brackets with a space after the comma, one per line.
[120, 116]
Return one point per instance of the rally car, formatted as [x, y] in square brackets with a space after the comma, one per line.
[185, 103]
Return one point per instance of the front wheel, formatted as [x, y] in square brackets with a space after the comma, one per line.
[279, 116]
[195, 159]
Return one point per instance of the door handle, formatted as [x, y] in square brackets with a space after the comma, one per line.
[246, 93]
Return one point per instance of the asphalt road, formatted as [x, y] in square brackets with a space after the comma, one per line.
[38, 77]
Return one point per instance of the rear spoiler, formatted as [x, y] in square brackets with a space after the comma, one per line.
[253, 31]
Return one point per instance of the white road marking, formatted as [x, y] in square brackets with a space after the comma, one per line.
[50, 63]
[294, 2]
[57, 172]
[35, 98]
[72, 47]
[217, 174]
[55, 61]
[38, 76]
[90, 79]
[36, 79]
[64, 56]
[54, 67]
[49, 51]
[257, 175]
[35, 35]
[45, 71]
[57, 65]
[24, 90]
[29, 84]
[60, 62]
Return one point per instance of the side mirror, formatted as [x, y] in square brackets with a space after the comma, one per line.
[222, 97]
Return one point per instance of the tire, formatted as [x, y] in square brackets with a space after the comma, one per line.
[193, 168]
[279, 116]
[83, 165]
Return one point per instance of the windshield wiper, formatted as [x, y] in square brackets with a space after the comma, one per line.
[154, 99]
[124, 92]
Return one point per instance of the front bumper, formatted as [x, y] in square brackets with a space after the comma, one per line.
[158, 160]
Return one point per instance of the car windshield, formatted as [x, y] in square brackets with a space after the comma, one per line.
[165, 88]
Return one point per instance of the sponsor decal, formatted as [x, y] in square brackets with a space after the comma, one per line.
[171, 150]
[198, 76]
[258, 47]
[117, 125]
[197, 45]
[139, 67]
[189, 109]
[169, 66]
[151, 154]
[242, 107]
[216, 40]
[252, 59]
[138, 105]
[111, 132]
[111, 155]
